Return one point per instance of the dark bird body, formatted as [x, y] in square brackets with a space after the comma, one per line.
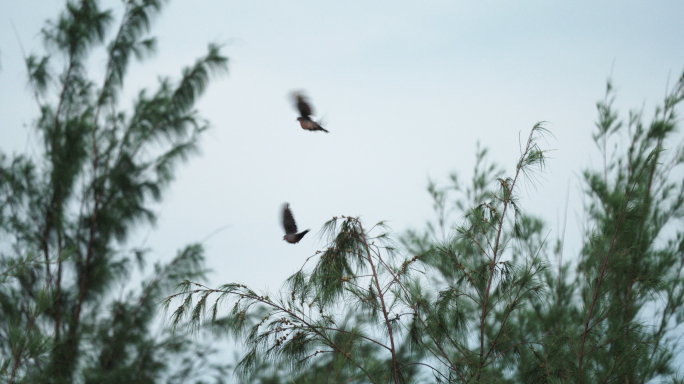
[305, 112]
[291, 235]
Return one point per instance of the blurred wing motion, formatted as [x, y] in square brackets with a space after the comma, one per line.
[303, 106]
[291, 235]
[305, 112]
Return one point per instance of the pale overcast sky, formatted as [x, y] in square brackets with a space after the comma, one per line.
[407, 88]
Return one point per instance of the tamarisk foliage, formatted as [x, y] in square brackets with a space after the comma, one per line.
[632, 261]
[66, 212]
[364, 314]
[485, 298]
[618, 318]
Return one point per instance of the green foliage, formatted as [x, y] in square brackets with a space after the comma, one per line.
[631, 263]
[65, 214]
[477, 299]
[365, 314]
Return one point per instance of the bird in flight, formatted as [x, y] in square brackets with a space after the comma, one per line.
[291, 235]
[305, 112]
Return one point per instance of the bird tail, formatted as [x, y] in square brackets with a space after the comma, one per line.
[320, 123]
[300, 235]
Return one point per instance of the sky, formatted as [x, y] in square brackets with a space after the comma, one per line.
[406, 89]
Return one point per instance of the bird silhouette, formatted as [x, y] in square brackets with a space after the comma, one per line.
[305, 112]
[291, 235]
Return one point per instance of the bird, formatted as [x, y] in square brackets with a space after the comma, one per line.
[305, 112]
[291, 235]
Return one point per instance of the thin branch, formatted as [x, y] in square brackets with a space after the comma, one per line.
[507, 200]
[603, 269]
[382, 302]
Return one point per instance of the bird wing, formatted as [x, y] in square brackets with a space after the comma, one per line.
[288, 220]
[303, 106]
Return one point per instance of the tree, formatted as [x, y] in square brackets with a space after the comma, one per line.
[619, 319]
[476, 299]
[66, 213]
[397, 316]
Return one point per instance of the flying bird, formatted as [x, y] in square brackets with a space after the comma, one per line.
[291, 235]
[305, 112]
